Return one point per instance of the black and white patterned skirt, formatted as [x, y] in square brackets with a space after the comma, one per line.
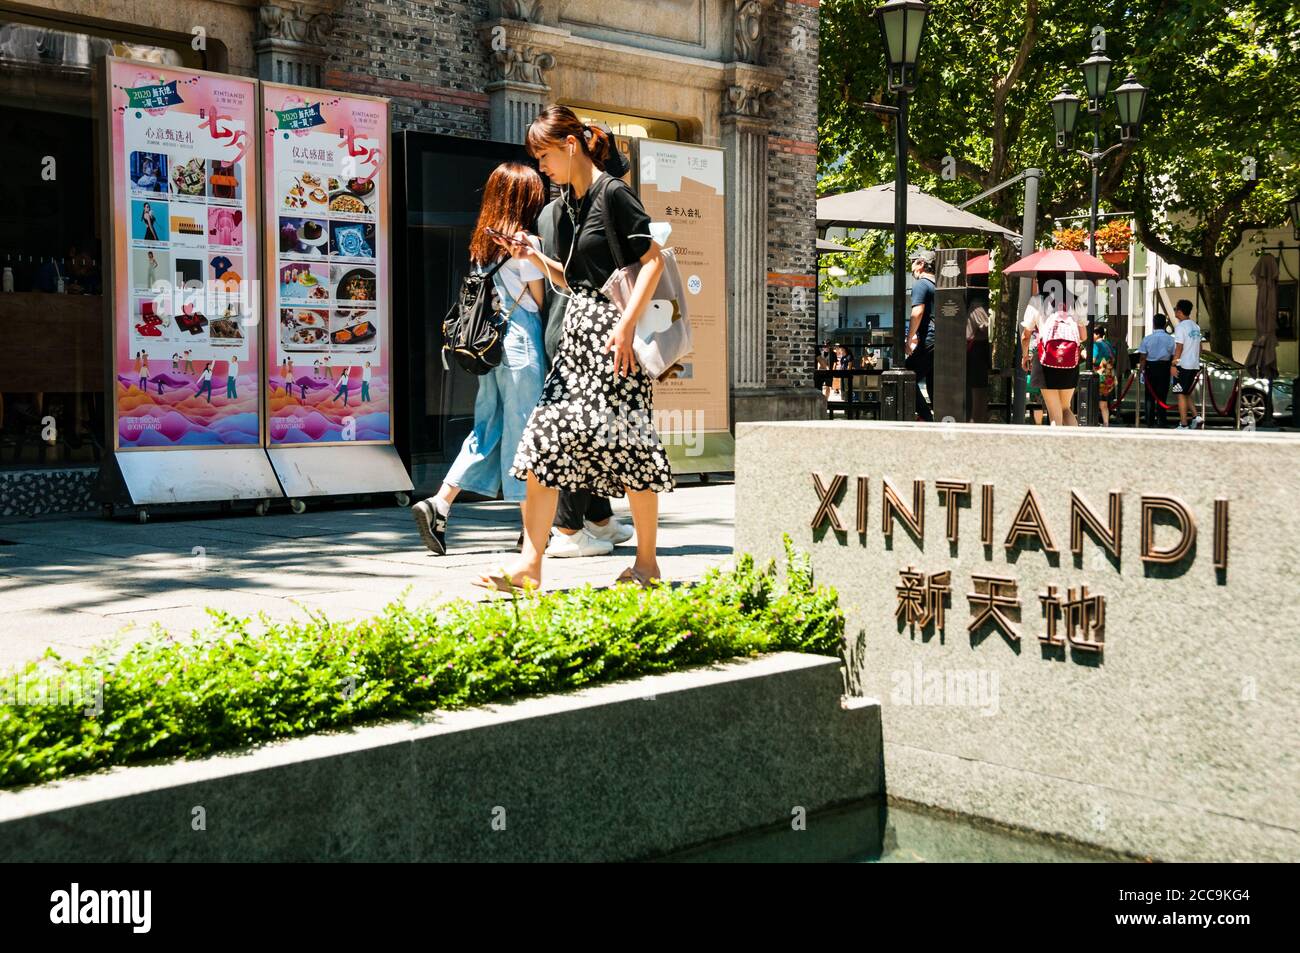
[593, 430]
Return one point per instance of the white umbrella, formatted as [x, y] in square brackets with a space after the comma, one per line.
[874, 208]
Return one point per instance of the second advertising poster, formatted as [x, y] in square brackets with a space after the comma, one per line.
[328, 286]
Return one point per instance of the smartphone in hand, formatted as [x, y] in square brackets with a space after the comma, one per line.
[510, 239]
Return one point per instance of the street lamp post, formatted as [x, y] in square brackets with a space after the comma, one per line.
[1294, 207]
[1130, 100]
[902, 27]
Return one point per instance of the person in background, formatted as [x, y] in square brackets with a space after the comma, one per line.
[232, 375]
[1043, 317]
[979, 353]
[512, 199]
[842, 361]
[1103, 362]
[1156, 355]
[920, 338]
[1187, 362]
[365, 382]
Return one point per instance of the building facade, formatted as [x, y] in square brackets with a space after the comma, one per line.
[735, 74]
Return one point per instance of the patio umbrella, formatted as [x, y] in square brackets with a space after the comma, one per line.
[823, 246]
[874, 208]
[1262, 359]
[1077, 263]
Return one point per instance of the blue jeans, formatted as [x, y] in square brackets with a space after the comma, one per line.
[506, 397]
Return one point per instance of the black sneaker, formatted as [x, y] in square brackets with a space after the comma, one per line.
[432, 526]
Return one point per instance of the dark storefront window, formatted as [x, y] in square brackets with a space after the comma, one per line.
[437, 203]
[51, 304]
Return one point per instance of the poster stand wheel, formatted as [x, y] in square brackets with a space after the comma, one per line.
[298, 506]
[403, 498]
[262, 508]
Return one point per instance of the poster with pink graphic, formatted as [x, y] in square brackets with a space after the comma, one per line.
[185, 257]
[326, 198]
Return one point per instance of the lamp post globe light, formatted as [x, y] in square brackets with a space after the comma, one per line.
[1096, 80]
[1065, 113]
[902, 28]
[1130, 101]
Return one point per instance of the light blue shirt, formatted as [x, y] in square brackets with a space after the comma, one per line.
[1158, 346]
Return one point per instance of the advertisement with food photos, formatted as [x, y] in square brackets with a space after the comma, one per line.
[186, 302]
[683, 184]
[327, 256]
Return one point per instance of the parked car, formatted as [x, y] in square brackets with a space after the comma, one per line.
[1260, 401]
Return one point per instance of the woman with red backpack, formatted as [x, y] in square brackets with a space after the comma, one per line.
[1061, 322]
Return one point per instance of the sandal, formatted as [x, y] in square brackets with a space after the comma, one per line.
[630, 574]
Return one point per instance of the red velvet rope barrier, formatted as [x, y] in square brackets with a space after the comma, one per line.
[1232, 398]
[1151, 390]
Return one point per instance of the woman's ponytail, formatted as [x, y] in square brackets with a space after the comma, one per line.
[598, 145]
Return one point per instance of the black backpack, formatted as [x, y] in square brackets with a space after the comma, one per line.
[474, 330]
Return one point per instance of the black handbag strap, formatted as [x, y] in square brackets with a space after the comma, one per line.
[610, 236]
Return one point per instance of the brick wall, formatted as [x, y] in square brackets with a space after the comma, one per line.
[426, 56]
[791, 45]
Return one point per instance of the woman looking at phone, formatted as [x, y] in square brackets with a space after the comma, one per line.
[593, 429]
[507, 394]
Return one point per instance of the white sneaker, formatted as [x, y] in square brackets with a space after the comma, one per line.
[1182, 427]
[1198, 423]
[614, 531]
[581, 543]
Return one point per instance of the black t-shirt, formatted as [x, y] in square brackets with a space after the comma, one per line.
[592, 262]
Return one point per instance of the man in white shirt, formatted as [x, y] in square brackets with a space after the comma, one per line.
[365, 382]
[232, 374]
[1187, 362]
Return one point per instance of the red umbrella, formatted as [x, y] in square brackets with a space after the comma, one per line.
[1059, 260]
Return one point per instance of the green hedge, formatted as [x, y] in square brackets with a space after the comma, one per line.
[239, 684]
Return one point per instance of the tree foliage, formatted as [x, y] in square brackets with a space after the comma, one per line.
[1224, 84]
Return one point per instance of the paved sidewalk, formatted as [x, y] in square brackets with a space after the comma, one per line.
[70, 582]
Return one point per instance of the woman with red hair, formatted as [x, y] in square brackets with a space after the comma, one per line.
[507, 394]
[593, 429]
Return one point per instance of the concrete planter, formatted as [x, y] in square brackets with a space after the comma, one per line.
[617, 772]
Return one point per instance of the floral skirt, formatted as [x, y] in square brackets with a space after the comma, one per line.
[593, 430]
